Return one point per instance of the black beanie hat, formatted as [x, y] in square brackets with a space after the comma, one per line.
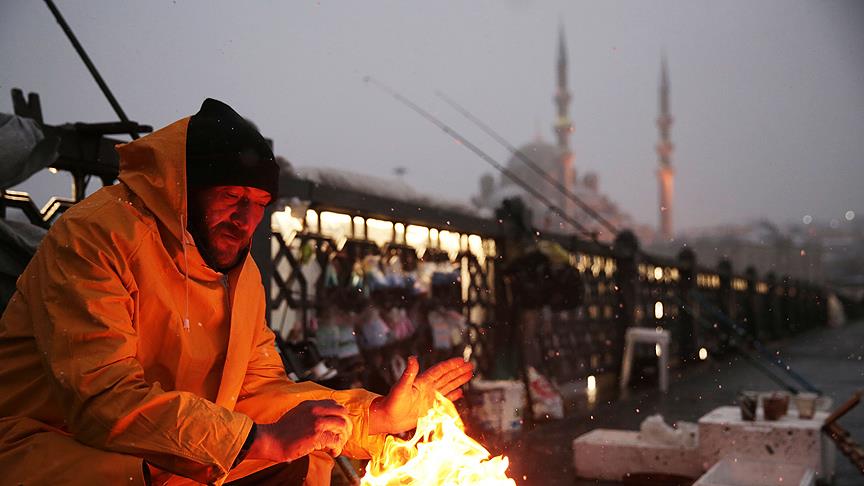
[224, 149]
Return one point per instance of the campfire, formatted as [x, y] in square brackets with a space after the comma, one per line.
[439, 453]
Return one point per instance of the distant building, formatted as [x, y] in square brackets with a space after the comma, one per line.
[760, 244]
[557, 162]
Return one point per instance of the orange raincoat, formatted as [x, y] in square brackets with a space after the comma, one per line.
[98, 370]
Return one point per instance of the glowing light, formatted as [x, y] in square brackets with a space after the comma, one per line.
[591, 390]
[596, 265]
[582, 263]
[439, 453]
[658, 351]
[703, 354]
[417, 237]
[475, 246]
[658, 310]
[609, 268]
[286, 224]
[54, 171]
[850, 215]
[489, 247]
[449, 242]
[807, 219]
[379, 231]
[336, 225]
[658, 273]
[311, 219]
[466, 278]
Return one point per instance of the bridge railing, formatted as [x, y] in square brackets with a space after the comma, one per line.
[625, 287]
[621, 286]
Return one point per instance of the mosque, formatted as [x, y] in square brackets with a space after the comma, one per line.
[556, 160]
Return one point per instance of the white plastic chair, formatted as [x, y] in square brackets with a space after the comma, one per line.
[647, 335]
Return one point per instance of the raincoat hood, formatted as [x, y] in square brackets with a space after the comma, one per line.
[154, 169]
[213, 147]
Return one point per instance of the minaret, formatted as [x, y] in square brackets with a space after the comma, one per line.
[665, 173]
[563, 127]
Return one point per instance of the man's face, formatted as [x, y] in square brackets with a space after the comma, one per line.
[222, 220]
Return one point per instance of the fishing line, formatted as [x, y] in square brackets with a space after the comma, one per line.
[527, 161]
[480, 153]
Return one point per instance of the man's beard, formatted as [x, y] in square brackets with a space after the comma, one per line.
[203, 241]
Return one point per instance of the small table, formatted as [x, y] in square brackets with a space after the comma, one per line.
[790, 440]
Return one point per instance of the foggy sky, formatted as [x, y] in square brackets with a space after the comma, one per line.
[767, 96]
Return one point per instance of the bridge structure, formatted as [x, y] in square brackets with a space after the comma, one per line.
[555, 302]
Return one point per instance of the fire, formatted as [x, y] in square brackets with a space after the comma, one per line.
[439, 453]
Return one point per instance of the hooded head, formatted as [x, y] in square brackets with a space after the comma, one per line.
[205, 160]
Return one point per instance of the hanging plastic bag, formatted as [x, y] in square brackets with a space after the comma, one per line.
[347, 343]
[375, 332]
[327, 338]
[440, 327]
[399, 323]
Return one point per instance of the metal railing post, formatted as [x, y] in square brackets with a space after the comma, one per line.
[686, 283]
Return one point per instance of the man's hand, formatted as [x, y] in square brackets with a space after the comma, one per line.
[315, 425]
[413, 395]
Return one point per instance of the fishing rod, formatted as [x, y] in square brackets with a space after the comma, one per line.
[530, 163]
[760, 348]
[90, 66]
[480, 153]
[741, 351]
[726, 320]
[763, 353]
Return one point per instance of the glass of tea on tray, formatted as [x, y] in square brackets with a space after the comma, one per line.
[748, 402]
[806, 405]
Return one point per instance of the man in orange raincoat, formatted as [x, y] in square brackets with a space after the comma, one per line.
[136, 348]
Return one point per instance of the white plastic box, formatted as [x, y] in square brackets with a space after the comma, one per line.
[731, 472]
[613, 454]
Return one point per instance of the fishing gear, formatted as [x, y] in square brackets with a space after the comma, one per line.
[757, 345]
[530, 163]
[724, 319]
[480, 153]
[740, 350]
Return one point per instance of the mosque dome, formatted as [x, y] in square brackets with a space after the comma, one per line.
[546, 156]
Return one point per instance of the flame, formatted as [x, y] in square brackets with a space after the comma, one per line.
[439, 453]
